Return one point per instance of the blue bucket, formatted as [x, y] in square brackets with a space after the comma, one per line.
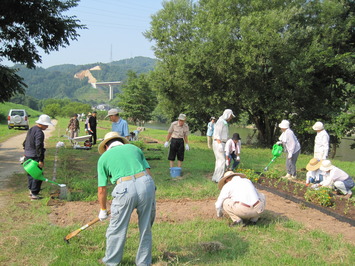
[175, 171]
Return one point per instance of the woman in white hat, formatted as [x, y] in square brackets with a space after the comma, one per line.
[321, 142]
[291, 146]
[337, 178]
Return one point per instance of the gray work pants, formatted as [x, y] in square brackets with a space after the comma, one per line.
[138, 193]
[291, 163]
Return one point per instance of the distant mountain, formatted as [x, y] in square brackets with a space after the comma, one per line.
[59, 82]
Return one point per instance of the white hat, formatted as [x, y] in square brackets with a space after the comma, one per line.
[326, 165]
[318, 126]
[227, 174]
[182, 117]
[284, 124]
[108, 137]
[113, 111]
[44, 120]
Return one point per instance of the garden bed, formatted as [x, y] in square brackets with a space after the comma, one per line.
[341, 209]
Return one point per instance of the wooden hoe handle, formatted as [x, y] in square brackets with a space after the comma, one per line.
[76, 232]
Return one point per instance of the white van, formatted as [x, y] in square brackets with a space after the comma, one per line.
[18, 118]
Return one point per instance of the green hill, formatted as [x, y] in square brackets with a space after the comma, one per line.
[59, 82]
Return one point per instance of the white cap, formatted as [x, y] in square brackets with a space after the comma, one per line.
[44, 120]
[113, 111]
[284, 124]
[318, 126]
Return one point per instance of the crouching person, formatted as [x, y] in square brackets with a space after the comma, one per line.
[337, 178]
[125, 166]
[239, 199]
[314, 174]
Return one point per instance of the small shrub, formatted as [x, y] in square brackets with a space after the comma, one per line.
[250, 173]
[322, 196]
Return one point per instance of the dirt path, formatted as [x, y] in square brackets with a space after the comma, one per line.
[173, 211]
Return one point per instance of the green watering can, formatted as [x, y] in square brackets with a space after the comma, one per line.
[32, 168]
[277, 150]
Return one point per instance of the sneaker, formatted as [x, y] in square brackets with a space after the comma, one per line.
[287, 176]
[292, 177]
[34, 197]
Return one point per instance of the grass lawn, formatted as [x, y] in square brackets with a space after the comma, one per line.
[29, 238]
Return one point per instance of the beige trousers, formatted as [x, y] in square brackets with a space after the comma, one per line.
[237, 211]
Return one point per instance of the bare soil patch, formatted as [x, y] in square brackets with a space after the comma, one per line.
[179, 211]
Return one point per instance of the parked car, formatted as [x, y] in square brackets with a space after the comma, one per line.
[18, 118]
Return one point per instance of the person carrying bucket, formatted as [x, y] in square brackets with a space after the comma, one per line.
[178, 136]
[34, 149]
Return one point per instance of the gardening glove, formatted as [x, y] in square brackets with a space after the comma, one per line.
[289, 156]
[219, 212]
[238, 158]
[187, 147]
[227, 163]
[279, 142]
[315, 186]
[220, 147]
[166, 144]
[66, 130]
[103, 215]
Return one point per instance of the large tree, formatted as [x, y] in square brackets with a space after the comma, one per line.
[27, 25]
[272, 59]
[137, 98]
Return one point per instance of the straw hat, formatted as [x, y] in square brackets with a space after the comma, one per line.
[284, 124]
[109, 136]
[313, 164]
[326, 165]
[318, 126]
[226, 175]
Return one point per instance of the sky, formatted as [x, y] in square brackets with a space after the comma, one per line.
[114, 33]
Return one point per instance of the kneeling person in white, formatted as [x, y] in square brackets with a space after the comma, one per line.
[239, 198]
[337, 177]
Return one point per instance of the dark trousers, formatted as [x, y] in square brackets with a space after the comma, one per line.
[33, 184]
[233, 158]
[93, 136]
[177, 149]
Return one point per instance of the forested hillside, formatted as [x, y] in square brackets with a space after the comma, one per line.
[59, 82]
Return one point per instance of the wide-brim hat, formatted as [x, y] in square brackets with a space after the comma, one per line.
[236, 136]
[109, 136]
[326, 165]
[44, 120]
[318, 126]
[313, 164]
[284, 124]
[182, 117]
[227, 174]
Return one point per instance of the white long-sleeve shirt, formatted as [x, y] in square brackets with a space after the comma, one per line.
[314, 174]
[238, 189]
[333, 175]
[290, 142]
[233, 147]
[221, 130]
[321, 145]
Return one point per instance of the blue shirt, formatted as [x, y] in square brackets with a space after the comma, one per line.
[121, 127]
[210, 128]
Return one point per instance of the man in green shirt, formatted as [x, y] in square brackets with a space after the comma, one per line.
[125, 166]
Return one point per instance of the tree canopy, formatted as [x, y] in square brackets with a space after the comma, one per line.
[26, 26]
[272, 59]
